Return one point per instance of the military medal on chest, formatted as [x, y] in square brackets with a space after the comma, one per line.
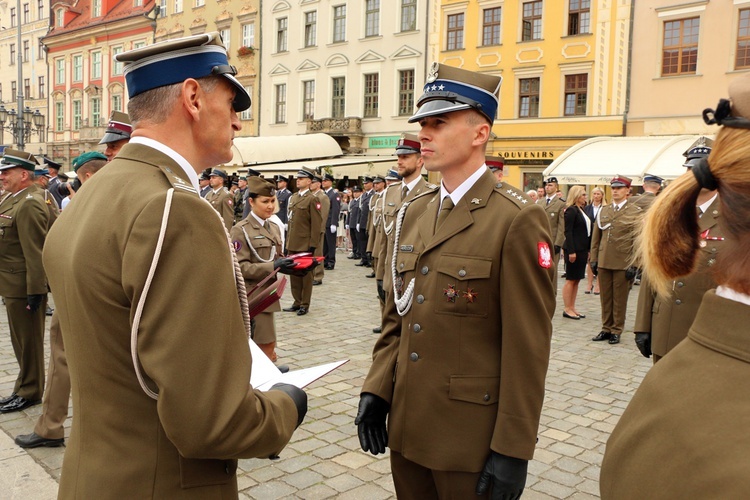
[450, 293]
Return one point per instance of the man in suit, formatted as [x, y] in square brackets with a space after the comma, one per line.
[49, 429]
[458, 372]
[157, 346]
[613, 255]
[363, 233]
[220, 198]
[54, 181]
[325, 204]
[117, 134]
[353, 221]
[204, 185]
[282, 194]
[555, 208]
[332, 222]
[24, 219]
[305, 230]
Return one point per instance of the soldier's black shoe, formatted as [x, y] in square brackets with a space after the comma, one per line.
[34, 440]
[6, 400]
[302, 311]
[361, 264]
[602, 336]
[377, 329]
[371, 275]
[291, 309]
[317, 282]
[615, 339]
[17, 404]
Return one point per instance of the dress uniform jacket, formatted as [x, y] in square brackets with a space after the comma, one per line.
[644, 201]
[613, 237]
[257, 265]
[24, 220]
[464, 368]
[332, 220]
[223, 202]
[283, 196]
[555, 211]
[305, 222]
[669, 318]
[684, 433]
[52, 207]
[373, 222]
[192, 343]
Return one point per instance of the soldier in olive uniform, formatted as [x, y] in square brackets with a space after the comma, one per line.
[325, 204]
[240, 198]
[156, 338]
[613, 255]
[459, 369]
[257, 243]
[373, 221]
[651, 187]
[220, 198]
[496, 164]
[41, 179]
[24, 219]
[554, 205]
[305, 229]
[117, 134]
[663, 322]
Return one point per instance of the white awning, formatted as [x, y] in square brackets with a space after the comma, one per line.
[249, 151]
[597, 160]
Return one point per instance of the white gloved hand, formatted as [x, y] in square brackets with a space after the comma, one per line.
[333, 228]
[357, 227]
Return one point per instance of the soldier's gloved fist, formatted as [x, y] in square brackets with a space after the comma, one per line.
[312, 250]
[34, 302]
[631, 272]
[333, 228]
[643, 341]
[595, 268]
[558, 248]
[284, 265]
[298, 396]
[506, 475]
[370, 422]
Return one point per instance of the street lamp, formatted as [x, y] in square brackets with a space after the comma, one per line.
[21, 126]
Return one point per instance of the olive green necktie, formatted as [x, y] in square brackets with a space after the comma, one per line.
[445, 209]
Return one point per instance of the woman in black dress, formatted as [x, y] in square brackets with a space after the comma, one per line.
[578, 228]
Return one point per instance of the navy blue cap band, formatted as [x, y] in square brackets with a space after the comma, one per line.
[178, 66]
[448, 90]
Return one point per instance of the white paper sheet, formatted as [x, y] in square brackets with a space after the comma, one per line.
[265, 374]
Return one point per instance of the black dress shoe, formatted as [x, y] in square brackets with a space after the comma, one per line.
[17, 404]
[377, 329]
[7, 400]
[301, 311]
[317, 282]
[34, 440]
[328, 268]
[615, 339]
[361, 264]
[371, 275]
[291, 309]
[49, 311]
[570, 316]
[602, 336]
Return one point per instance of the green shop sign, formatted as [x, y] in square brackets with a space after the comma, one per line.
[384, 142]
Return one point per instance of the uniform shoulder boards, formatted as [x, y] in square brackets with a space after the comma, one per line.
[178, 182]
[517, 196]
[431, 186]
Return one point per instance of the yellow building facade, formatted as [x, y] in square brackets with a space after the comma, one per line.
[564, 65]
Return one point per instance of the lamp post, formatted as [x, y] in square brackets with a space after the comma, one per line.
[20, 122]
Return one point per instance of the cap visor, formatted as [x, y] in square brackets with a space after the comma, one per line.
[241, 97]
[406, 151]
[437, 107]
[112, 137]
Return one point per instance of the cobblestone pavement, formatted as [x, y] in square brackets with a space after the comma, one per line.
[588, 386]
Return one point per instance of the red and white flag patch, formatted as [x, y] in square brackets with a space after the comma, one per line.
[545, 256]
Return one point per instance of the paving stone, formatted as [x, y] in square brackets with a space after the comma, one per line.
[343, 482]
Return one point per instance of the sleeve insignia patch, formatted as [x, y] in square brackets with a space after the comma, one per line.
[545, 256]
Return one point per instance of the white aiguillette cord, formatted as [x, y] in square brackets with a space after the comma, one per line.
[240, 282]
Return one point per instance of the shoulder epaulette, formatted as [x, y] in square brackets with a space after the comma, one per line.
[513, 194]
[178, 182]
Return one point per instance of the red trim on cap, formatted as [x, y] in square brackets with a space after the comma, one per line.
[494, 163]
[409, 143]
[120, 126]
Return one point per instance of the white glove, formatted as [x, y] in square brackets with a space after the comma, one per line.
[333, 228]
[286, 227]
[357, 227]
[347, 227]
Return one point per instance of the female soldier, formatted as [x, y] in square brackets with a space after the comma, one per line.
[684, 434]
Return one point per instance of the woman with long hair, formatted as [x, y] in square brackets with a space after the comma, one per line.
[685, 432]
[576, 248]
[592, 211]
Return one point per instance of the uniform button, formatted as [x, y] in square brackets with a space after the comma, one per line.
[680, 284]
[678, 302]
[417, 328]
[414, 356]
[420, 299]
[486, 397]
[462, 273]
[401, 266]
[425, 270]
